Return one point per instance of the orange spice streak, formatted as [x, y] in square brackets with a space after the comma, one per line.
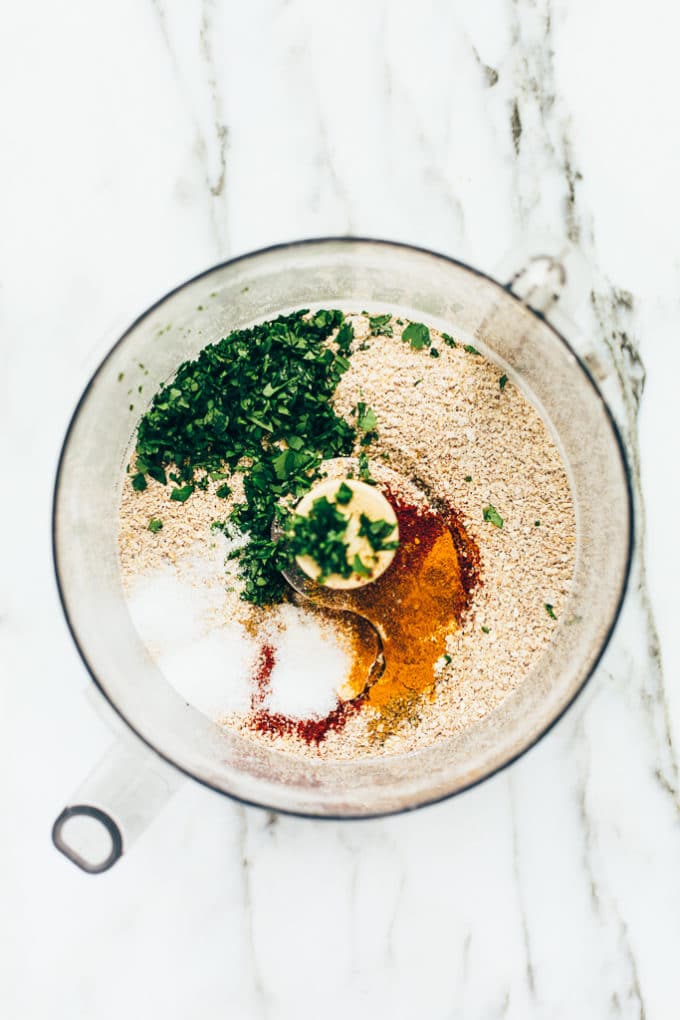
[418, 601]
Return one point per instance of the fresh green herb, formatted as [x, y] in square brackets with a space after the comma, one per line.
[140, 388]
[468, 478]
[223, 491]
[417, 334]
[417, 382]
[379, 325]
[537, 524]
[216, 414]
[359, 567]
[447, 659]
[155, 525]
[344, 494]
[344, 338]
[448, 340]
[492, 516]
[139, 482]
[182, 495]
[549, 610]
[470, 349]
[321, 534]
[486, 630]
[434, 353]
[503, 382]
[364, 469]
[121, 376]
[377, 533]
[131, 407]
[366, 419]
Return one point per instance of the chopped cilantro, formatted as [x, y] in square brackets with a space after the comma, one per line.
[537, 524]
[377, 533]
[434, 353]
[380, 325]
[182, 495]
[359, 567]
[344, 494]
[503, 382]
[344, 338]
[321, 534]
[121, 376]
[417, 334]
[492, 516]
[549, 610]
[468, 478]
[447, 658]
[139, 482]
[155, 525]
[366, 417]
[223, 491]
[486, 630]
[470, 349]
[417, 382]
[364, 469]
[215, 414]
[448, 340]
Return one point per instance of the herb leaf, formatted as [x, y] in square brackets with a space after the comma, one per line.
[502, 382]
[367, 418]
[379, 325]
[418, 335]
[377, 533]
[181, 495]
[359, 567]
[155, 525]
[344, 494]
[549, 610]
[470, 349]
[492, 516]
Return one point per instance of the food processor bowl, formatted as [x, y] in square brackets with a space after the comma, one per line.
[353, 275]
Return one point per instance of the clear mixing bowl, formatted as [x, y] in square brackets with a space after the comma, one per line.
[350, 274]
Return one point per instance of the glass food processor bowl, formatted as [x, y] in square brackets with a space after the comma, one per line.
[350, 274]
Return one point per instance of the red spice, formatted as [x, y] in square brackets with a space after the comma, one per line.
[261, 679]
[312, 731]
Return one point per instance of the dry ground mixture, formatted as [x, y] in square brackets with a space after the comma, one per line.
[449, 424]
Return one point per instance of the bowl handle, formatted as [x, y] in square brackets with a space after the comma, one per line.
[544, 270]
[121, 796]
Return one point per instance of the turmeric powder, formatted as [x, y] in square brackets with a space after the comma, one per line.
[413, 606]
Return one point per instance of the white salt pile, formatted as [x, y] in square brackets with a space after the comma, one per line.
[181, 613]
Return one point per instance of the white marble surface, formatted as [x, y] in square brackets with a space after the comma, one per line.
[144, 140]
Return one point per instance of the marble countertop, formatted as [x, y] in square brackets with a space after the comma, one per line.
[143, 141]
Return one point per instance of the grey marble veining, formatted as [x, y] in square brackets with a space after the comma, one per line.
[144, 142]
